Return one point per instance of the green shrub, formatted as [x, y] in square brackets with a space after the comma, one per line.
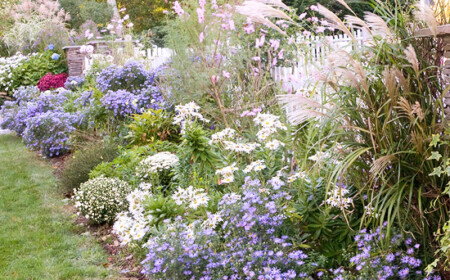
[101, 199]
[124, 166]
[81, 11]
[30, 72]
[162, 208]
[77, 168]
[99, 12]
[443, 252]
[150, 126]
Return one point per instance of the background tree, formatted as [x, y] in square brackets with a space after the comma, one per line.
[148, 17]
[83, 10]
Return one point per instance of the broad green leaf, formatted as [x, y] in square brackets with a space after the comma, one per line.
[435, 140]
[435, 156]
[437, 171]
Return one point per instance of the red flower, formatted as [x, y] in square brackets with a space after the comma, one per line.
[50, 81]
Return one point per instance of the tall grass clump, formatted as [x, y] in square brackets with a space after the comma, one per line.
[381, 110]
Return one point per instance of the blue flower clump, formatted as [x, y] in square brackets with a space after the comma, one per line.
[398, 261]
[248, 243]
[40, 119]
[74, 82]
[129, 89]
[49, 132]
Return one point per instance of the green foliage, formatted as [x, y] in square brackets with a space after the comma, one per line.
[151, 126]
[384, 124]
[146, 14]
[72, 7]
[30, 72]
[77, 168]
[99, 12]
[196, 155]
[442, 260]
[124, 166]
[83, 10]
[162, 208]
[198, 66]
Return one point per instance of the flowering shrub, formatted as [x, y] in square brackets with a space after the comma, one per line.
[186, 114]
[29, 102]
[398, 261]
[124, 103]
[33, 69]
[129, 89]
[132, 77]
[15, 112]
[49, 81]
[49, 132]
[132, 225]
[74, 82]
[31, 19]
[40, 119]
[7, 65]
[101, 199]
[243, 240]
[156, 163]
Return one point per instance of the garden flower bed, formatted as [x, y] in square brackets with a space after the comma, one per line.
[210, 167]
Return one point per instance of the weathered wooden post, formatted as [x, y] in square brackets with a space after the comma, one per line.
[442, 34]
[75, 60]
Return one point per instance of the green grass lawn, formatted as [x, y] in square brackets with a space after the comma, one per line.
[38, 239]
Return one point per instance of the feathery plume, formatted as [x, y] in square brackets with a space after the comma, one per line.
[343, 3]
[380, 164]
[389, 82]
[334, 20]
[259, 12]
[378, 25]
[425, 13]
[276, 3]
[411, 56]
[356, 21]
[300, 108]
[400, 79]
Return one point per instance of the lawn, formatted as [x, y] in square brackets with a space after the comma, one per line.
[38, 239]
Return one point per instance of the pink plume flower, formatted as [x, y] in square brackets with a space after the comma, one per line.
[201, 15]
[177, 8]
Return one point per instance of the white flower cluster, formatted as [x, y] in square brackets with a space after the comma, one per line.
[186, 114]
[255, 166]
[227, 173]
[7, 65]
[240, 147]
[274, 145]
[218, 137]
[101, 199]
[133, 225]
[320, 156]
[269, 124]
[370, 211]
[156, 163]
[194, 198]
[296, 175]
[337, 198]
[212, 220]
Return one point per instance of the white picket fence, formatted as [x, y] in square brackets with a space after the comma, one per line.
[313, 55]
[157, 56]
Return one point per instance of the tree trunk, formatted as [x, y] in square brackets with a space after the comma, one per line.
[113, 5]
